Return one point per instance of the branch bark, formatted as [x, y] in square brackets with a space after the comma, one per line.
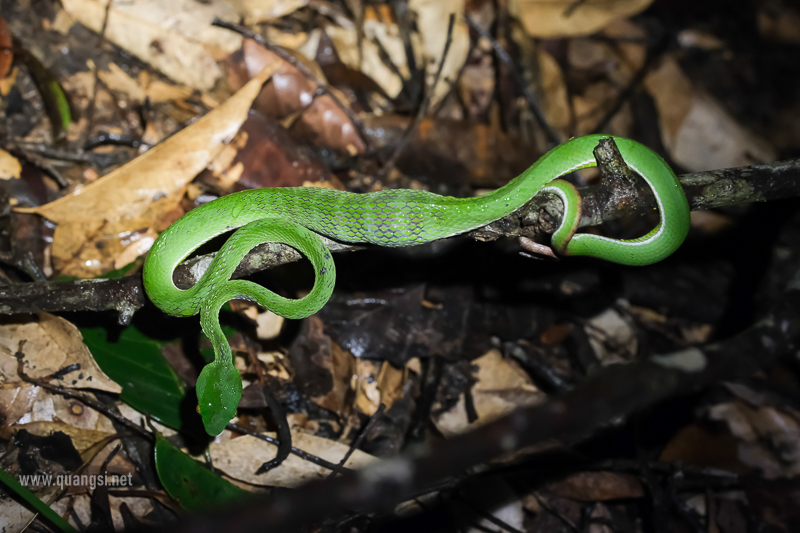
[621, 193]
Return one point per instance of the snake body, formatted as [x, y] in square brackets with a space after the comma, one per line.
[297, 216]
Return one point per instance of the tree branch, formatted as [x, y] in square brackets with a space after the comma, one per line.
[621, 193]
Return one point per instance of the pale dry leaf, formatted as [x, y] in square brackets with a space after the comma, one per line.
[613, 337]
[568, 18]
[269, 325]
[555, 97]
[157, 91]
[501, 387]
[257, 11]
[114, 209]
[432, 20]
[51, 343]
[368, 395]
[239, 458]
[81, 438]
[697, 131]
[345, 40]
[175, 37]
[10, 167]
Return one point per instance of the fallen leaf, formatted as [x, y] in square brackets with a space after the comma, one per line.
[598, 486]
[6, 55]
[117, 210]
[257, 11]
[501, 387]
[432, 20]
[81, 438]
[175, 37]
[368, 60]
[157, 91]
[779, 21]
[567, 18]
[697, 132]
[241, 457]
[51, 343]
[9, 166]
[768, 437]
[612, 337]
[292, 96]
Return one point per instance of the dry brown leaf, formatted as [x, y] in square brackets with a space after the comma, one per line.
[568, 18]
[432, 20]
[501, 387]
[555, 97]
[9, 166]
[618, 62]
[175, 37]
[51, 343]
[241, 457]
[599, 486]
[292, 96]
[768, 438]
[699, 446]
[779, 21]
[6, 53]
[698, 133]
[98, 222]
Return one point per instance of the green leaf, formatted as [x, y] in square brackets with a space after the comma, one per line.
[192, 485]
[135, 362]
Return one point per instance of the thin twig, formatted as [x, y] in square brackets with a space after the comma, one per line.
[533, 102]
[90, 110]
[322, 86]
[296, 451]
[357, 442]
[91, 402]
[423, 109]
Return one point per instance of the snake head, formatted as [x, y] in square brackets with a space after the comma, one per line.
[219, 389]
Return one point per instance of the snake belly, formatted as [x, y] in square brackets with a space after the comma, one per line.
[297, 216]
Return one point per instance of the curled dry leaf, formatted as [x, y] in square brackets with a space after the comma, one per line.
[51, 343]
[501, 387]
[175, 37]
[697, 132]
[240, 458]
[291, 95]
[568, 18]
[119, 213]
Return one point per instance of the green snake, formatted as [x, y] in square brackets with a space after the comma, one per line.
[297, 216]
